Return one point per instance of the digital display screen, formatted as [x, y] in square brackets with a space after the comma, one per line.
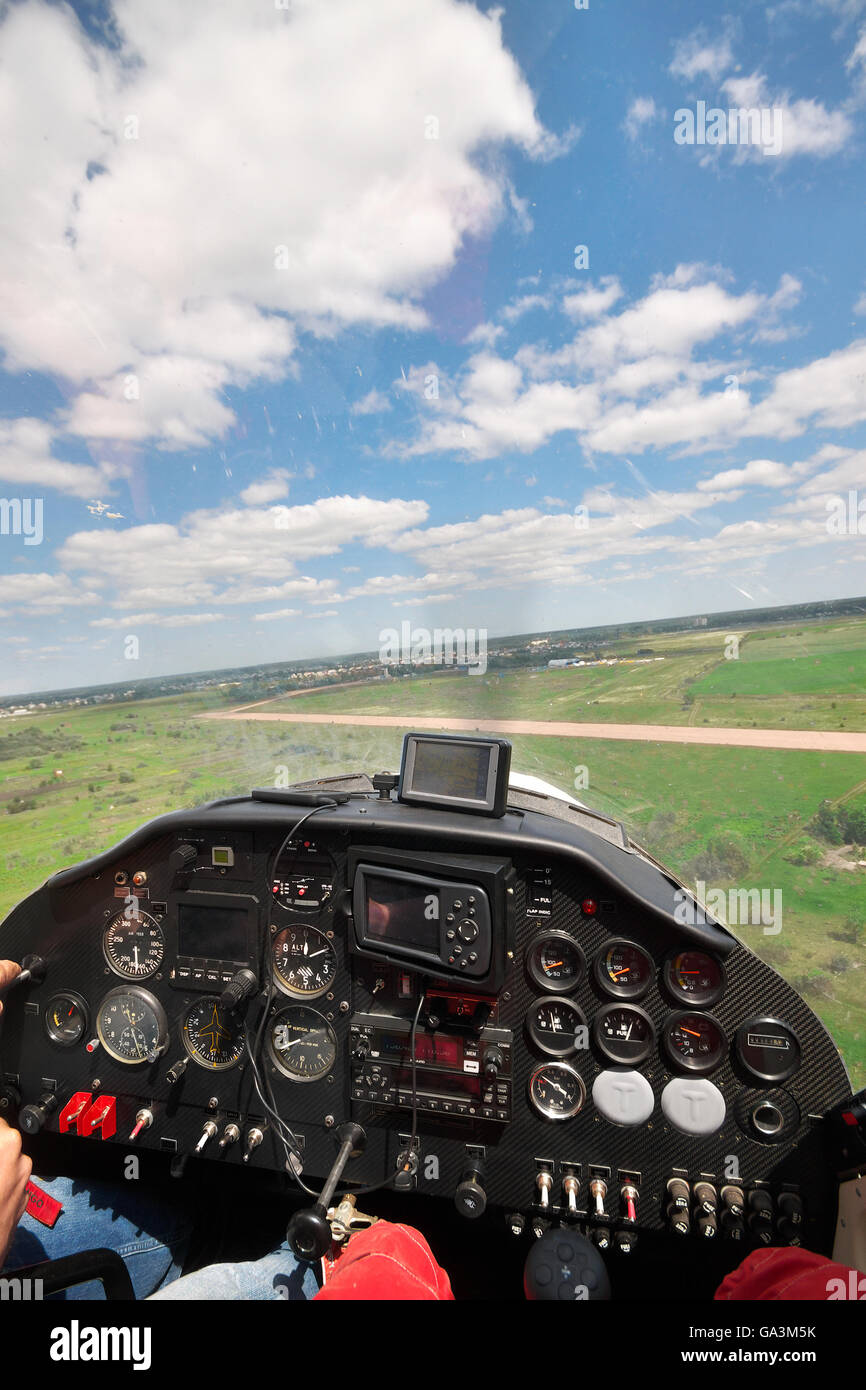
[451, 769]
[768, 1040]
[215, 933]
[430, 1049]
[403, 913]
[453, 1083]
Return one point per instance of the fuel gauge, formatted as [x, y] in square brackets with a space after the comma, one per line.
[65, 1018]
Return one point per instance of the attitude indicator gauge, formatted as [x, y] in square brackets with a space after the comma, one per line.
[132, 1025]
[212, 1035]
[305, 961]
[302, 1044]
[555, 962]
[133, 944]
[556, 1091]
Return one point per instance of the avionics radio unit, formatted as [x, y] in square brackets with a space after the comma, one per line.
[443, 917]
[456, 1074]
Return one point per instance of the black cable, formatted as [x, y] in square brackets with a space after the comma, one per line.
[388, 1182]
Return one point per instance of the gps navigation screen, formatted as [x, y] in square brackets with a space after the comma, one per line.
[447, 769]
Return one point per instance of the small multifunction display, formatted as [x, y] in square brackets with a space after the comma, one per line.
[416, 918]
[462, 774]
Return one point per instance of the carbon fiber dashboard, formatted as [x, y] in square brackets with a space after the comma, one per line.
[211, 877]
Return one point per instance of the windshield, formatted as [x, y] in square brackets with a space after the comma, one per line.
[367, 364]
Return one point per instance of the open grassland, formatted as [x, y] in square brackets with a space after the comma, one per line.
[731, 817]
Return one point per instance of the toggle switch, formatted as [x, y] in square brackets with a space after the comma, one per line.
[544, 1182]
[629, 1197]
[208, 1132]
[571, 1188]
[143, 1120]
[73, 1108]
[101, 1115]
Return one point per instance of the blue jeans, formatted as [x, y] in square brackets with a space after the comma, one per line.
[153, 1239]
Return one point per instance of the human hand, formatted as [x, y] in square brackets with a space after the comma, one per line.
[15, 1169]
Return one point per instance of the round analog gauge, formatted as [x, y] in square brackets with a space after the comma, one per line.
[552, 1025]
[624, 970]
[212, 1035]
[694, 1042]
[695, 978]
[624, 1033]
[132, 1025]
[555, 962]
[303, 878]
[556, 1091]
[133, 945]
[65, 1018]
[304, 961]
[302, 1043]
[768, 1048]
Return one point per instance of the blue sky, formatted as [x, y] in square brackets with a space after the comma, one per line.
[293, 345]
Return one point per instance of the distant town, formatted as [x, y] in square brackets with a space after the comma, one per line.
[562, 648]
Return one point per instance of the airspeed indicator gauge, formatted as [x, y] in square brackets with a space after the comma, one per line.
[133, 945]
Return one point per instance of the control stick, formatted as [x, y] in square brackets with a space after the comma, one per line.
[32, 972]
[309, 1234]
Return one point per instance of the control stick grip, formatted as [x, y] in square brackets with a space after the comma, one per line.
[309, 1233]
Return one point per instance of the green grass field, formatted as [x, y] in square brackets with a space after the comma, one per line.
[728, 816]
[804, 677]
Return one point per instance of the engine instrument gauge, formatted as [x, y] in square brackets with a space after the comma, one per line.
[212, 1035]
[302, 1044]
[555, 962]
[556, 1091]
[133, 945]
[624, 1033]
[132, 1025]
[553, 1025]
[624, 970]
[768, 1049]
[694, 977]
[304, 961]
[65, 1018]
[694, 1042]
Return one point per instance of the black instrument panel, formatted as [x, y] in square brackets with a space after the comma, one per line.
[624, 1048]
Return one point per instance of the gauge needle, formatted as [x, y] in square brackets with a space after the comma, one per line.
[553, 964]
[616, 973]
[691, 1032]
[561, 1089]
[135, 954]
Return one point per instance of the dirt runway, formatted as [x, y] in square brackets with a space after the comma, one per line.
[814, 740]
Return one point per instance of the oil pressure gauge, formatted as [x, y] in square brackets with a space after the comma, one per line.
[556, 1091]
